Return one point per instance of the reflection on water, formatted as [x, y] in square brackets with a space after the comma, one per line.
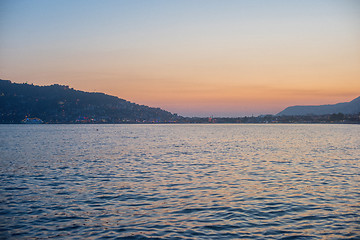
[180, 181]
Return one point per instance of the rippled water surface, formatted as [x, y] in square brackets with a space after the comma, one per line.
[180, 181]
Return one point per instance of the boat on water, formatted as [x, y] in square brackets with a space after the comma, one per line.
[32, 121]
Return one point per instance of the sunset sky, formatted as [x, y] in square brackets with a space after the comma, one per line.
[191, 57]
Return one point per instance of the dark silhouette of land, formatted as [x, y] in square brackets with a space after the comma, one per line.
[62, 104]
[326, 118]
[352, 107]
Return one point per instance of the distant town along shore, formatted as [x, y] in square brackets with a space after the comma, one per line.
[31, 104]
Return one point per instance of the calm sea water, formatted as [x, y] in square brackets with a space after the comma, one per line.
[180, 181]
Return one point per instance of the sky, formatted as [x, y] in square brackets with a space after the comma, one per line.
[192, 57]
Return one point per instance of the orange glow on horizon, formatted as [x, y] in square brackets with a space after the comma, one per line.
[232, 58]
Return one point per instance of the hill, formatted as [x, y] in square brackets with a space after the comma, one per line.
[352, 107]
[62, 104]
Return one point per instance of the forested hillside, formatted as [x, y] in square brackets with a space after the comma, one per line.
[62, 104]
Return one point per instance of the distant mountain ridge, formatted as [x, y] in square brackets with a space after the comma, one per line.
[351, 107]
[62, 104]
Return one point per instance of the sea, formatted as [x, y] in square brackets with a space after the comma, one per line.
[180, 181]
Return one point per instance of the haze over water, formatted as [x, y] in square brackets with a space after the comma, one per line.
[180, 181]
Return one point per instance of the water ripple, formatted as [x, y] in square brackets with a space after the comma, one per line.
[180, 182]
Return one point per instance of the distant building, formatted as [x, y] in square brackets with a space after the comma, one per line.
[32, 121]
